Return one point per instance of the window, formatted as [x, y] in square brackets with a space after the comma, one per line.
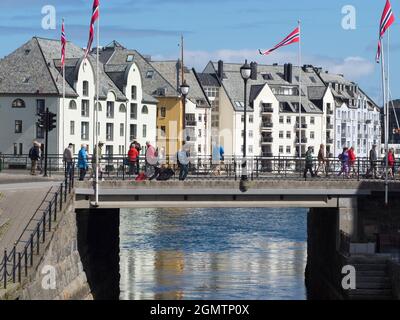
[109, 150]
[145, 110]
[122, 108]
[313, 80]
[288, 150]
[72, 105]
[18, 103]
[21, 148]
[163, 131]
[281, 134]
[199, 133]
[163, 112]
[121, 130]
[109, 131]
[85, 89]
[129, 58]
[15, 149]
[267, 76]
[242, 118]
[133, 111]
[85, 108]
[288, 120]
[312, 120]
[40, 106]
[251, 119]
[199, 148]
[251, 134]
[133, 92]
[18, 126]
[110, 109]
[280, 149]
[312, 135]
[39, 132]
[85, 130]
[98, 105]
[72, 128]
[149, 74]
[133, 132]
[121, 150]
[200, 118]
[250, 149]
[281, 119]
[288, 135]
[144, 131]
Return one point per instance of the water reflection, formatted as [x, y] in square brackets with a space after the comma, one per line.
[213, 254]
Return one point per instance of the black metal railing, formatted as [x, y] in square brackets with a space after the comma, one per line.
[263, 167]
[15, 263]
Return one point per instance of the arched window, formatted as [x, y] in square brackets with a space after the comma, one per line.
[18, 103]
[72, 105]
[122, 108]
[145, 110]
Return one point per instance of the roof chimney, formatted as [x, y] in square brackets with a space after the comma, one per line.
[221, 70]
[253, 66]
[288, 72]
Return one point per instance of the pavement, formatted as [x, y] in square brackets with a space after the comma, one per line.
[20, 197]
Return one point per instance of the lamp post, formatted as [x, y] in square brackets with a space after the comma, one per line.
[245, 72]
[185, 91]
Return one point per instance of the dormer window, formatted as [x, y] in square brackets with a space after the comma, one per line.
[129, 58]
[149, 74]
[267, 76]
[18, 103]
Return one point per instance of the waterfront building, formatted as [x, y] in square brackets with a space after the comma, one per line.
[394, 132]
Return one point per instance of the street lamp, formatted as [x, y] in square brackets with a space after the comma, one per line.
[245, 72]
[185, 91]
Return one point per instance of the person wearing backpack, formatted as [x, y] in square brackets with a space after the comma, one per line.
[34, 155]
[344, 159]
[309, 163]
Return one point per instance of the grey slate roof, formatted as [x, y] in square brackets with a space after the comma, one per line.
[233, 83]
[172, 72]
[208, 80]
[115, 57]
[35, 68]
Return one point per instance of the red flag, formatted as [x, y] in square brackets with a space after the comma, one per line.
[387, 20]
[293, 37]
[95, 16]
[63, 45]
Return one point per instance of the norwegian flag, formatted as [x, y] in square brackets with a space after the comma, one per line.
[95, 16]
[63, 45]
[293, 37]
[387, 20]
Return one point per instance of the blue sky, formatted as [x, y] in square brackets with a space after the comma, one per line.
[231, 30]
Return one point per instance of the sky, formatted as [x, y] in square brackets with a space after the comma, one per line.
[231, 30]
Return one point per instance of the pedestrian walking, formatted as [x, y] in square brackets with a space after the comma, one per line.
[183, 162]
[96, 161]
[344, 160]
[373, 158]
[309, 162]
[83, 163]
[352, 161]
[391, 162]
[152, 165]
[68, 159]
[133, 156]
[321, 160]
[34, 156]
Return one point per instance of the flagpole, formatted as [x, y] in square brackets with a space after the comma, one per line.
[63, 98]
[97, 115]
[385, 118]
[300, 122]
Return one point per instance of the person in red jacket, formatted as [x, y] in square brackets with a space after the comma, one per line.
[133, 157]
[391, 163]
[352, 161]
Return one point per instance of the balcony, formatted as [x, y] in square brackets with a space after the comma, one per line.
[303, 140]
[267, 140]
[191, 123]
[267, 125]
[303, 126]
[267, 109]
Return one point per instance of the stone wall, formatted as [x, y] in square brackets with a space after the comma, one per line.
[62, 255]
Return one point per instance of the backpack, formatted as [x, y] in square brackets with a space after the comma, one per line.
[141, 177]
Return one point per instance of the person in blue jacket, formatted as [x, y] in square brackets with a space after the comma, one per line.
[83, 164]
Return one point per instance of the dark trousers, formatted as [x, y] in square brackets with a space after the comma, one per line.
[184, 170]
[68, 169]
[308, 168]
[133, 167]
[82, 174]
[157, 172]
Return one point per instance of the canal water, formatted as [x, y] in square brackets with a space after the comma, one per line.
[257, 254]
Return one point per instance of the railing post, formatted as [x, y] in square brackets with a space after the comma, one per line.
[358, 169]
[38, 238]
[19, 266]
[14, 264]
[26, 260]
[44, 227]
[5, 269]
[31, 258]
[55, 210]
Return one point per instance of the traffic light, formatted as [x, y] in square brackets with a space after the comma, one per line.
[42, 122]
[52, 117]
